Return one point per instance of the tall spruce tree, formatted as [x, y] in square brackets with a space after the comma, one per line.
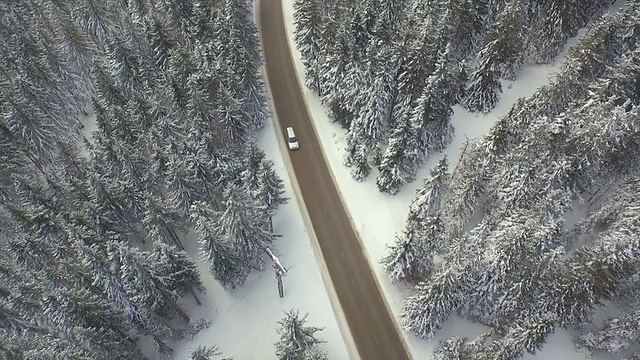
[297, 341]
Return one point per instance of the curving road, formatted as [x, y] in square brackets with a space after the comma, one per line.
[372, 327]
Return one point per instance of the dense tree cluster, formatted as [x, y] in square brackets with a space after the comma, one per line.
[92, 230]
[491, 241]
[390, 71]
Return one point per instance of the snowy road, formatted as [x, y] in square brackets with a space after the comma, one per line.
[372, 327]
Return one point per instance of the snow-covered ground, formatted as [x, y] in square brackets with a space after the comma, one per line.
[378, 217]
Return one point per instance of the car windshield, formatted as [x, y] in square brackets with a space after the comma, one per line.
[293, 139]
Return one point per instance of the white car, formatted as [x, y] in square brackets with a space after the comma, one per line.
[292, 140]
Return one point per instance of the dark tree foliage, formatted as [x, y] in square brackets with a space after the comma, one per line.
[174, 87]
[308, 37]
[298, 341]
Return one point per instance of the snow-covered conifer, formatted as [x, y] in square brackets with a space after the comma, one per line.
[457, 348]
[224, 263]
[178, 269]
[145, 282]
[400, 160]
[556, 21]
[505, 41]
[115, 287]
[202, 352]
[434, 301]
[130, 72]
[428, 197]
[431, 114]
[528, 336]
[298, 341]
[467, 20]
[181, 182]
[241, 50]
[410, 258]
[162, 219]
[252, 161]
[482, 91]
[270, 191]
[161, 40]
[308, 37]
[466, 189]
[358, 159]
[90, 321]
[616, 335]
[245, 226]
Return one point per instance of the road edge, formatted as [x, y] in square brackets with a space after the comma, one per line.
[302, 89]
[345, 331]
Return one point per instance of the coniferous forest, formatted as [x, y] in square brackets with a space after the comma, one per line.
[93, 230]
[493, 239]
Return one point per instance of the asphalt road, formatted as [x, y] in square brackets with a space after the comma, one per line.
[372, 327]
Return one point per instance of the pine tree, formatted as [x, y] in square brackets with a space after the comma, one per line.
[89, 320]
[390, 14]
[528, 336]
[178, 268]
[555, 22]
[202, 352]
[245, 225]
[467, 21]
[162, 219]
[182, 184]
[270, 190]
[224, 263]
[400, 160]
[297, 341]
[434, 301]
[429, 196]
[242, 51]
[456, 348]
[520, 297]
[309, 39]
[358, 159]
[408, 259]
[432, 112]
[518, 242]
[411, 257]
[252, 161]
[418, 56]
[126, 66]
[143, 281]
[373, 119]
[97, 19]
[616, 335]
[505, 41]
[161, 41]
[482, 91]
[466, 191]
[115, 287]
[339, 75]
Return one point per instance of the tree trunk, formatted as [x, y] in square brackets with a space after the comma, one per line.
[174, 236]
[193, 293]
[179, 310]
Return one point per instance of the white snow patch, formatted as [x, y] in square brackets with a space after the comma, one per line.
[88, 125]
